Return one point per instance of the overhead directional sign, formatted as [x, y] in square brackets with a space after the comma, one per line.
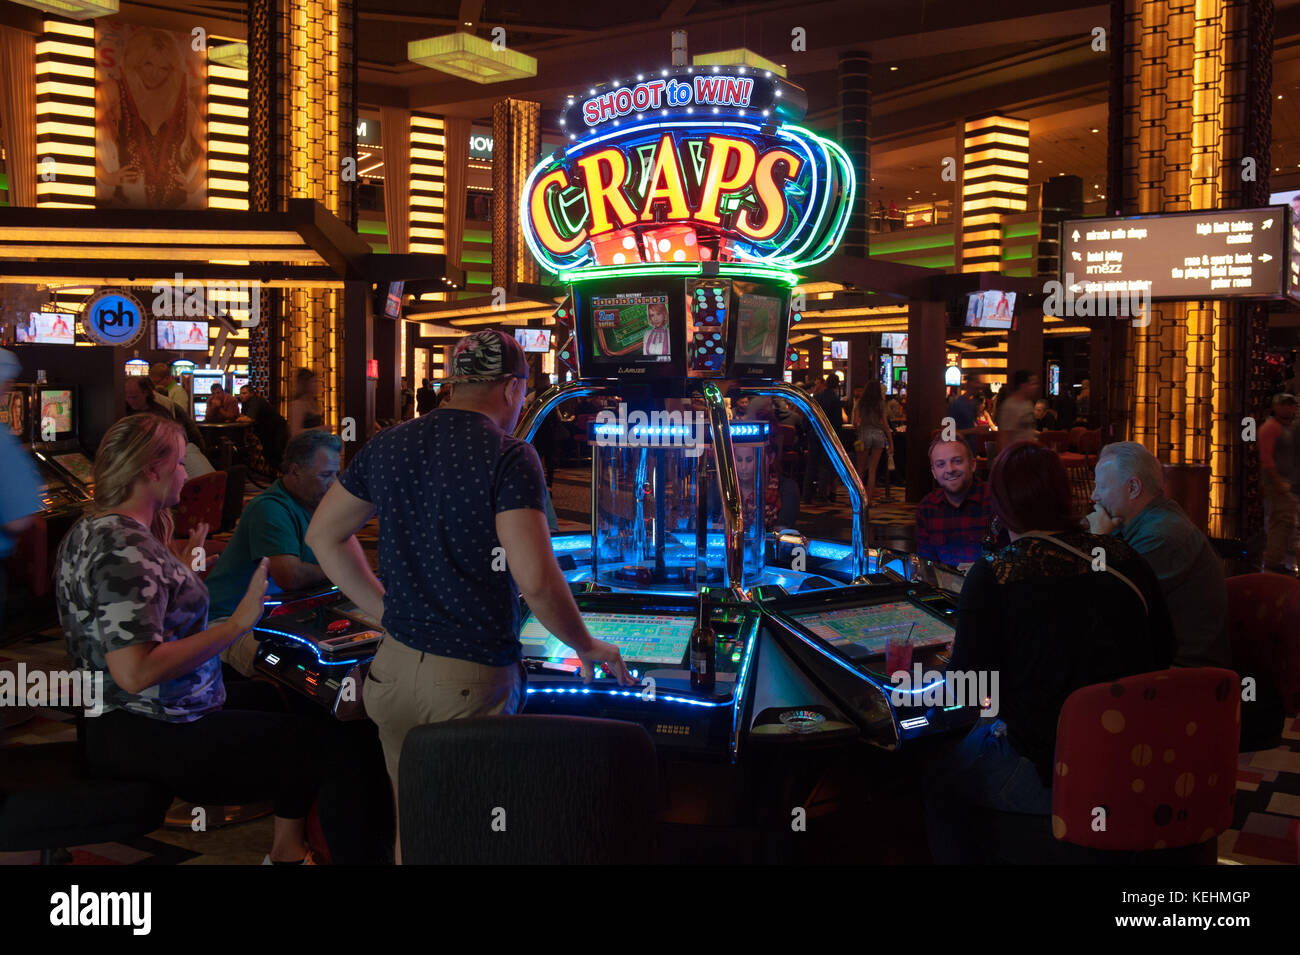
[1225, 253]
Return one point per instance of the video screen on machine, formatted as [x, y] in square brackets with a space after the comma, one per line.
[46, 328]
[870, 627]
[15, 408]
[649, 638]
[55, 406]
[991, 309]
[536, 340]
[78, 465]
[203, 382]
[1053, 378]
[758, 329]
[172, 335]
[839, 351]
[707, 303]
[631, 328]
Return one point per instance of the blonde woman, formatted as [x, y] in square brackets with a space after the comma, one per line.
[133, 610]
[874, 436]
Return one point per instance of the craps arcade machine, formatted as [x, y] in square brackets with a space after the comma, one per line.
[676, 221]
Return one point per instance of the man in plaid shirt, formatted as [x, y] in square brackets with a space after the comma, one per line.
[953, 519]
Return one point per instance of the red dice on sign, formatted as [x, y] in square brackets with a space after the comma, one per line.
[676, 243]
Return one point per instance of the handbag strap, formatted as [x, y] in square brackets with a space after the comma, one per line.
[1109, 569]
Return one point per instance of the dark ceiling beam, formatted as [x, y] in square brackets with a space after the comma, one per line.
[470, 12]
[567, 65]
[182, 21]
[676, 10]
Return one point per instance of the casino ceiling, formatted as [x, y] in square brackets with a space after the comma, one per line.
[934, 62]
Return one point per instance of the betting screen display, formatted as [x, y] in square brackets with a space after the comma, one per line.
[758, 328]
[631, 328]
[78, 465]
[56, 406]
[870, 627]
[650, 638]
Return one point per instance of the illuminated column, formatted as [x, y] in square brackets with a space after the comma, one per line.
[303, 125]
[517, 145]
[428, 179]
[65, 115]
[1192, 75]
[227, 135]
[995, 181]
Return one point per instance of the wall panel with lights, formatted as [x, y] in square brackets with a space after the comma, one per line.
[995, 176]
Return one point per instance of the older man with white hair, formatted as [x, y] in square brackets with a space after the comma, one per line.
[1131, 504]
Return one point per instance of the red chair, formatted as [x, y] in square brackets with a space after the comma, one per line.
[1157, 754]
[1264, 624]
[1058, 441]
[579, 428]
[1076, 433]
[202, 499]
[1090, 445]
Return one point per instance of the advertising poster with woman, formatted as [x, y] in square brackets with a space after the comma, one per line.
[150, 129]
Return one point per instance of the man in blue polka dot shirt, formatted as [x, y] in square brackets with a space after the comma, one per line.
[455, 493]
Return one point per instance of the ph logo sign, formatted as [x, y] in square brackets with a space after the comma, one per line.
[113, 317]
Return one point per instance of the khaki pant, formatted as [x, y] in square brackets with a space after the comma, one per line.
[241, 654]
[1281, 522]
[406, 688]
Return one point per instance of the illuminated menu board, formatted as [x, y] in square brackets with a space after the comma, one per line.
[1227, 253]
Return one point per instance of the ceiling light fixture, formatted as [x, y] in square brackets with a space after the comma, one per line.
[471, 58]
[75, 9]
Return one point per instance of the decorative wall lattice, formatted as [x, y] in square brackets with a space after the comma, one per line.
[517, 144]
[1183, 126]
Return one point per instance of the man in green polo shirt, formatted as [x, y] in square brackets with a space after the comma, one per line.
[274, 525]
[1131, 504]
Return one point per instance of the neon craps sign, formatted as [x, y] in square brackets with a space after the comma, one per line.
[688, 167]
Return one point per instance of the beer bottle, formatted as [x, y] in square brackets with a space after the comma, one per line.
[703, 647]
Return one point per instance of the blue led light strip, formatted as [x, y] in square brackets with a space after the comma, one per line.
[657, 698]
[306, 643]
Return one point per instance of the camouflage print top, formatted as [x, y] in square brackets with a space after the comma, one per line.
[116, 585]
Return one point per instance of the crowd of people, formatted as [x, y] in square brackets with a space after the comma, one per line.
[452, 484]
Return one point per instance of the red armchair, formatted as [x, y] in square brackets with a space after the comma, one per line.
[1157, 752]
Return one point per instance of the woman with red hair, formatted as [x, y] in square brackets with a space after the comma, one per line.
[1056, 610]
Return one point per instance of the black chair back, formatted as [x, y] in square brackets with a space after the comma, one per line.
[528, 790]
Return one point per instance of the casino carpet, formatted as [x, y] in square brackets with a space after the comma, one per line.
[1266, 825]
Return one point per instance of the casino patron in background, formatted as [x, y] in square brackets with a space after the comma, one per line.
[953, 519]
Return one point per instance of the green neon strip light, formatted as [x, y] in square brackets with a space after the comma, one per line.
[476, 258]
[944, 261]
[477, 235]
[478, 278]
[1020, 231]
[1026, 252]
[692, 270]
[912, 245]
[379, 248]
[372, 227]
[1025, 272]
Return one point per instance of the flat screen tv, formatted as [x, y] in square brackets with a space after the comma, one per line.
[991, 309]
[180, 335]
[839, 351]
[46, 328]
[534, 339]
[393, 303]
